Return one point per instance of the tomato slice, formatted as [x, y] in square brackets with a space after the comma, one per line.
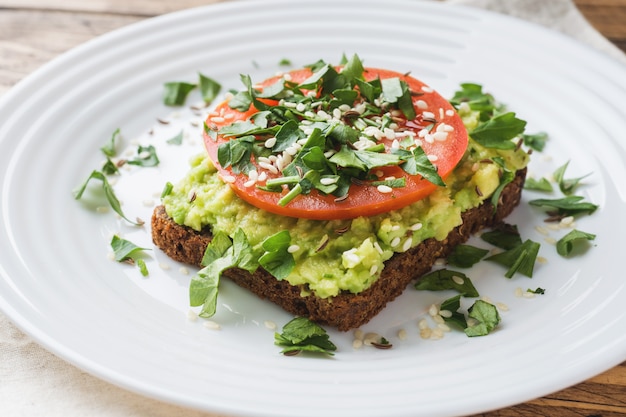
[435, 115]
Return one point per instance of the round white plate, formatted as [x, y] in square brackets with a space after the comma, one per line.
[58, 285]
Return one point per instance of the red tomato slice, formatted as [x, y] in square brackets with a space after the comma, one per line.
[362, 200]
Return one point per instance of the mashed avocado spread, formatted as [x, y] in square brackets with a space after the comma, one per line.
[344, 255]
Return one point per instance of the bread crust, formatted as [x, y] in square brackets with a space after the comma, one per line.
[345, 311]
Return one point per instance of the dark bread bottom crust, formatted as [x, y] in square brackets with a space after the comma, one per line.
[345, 311]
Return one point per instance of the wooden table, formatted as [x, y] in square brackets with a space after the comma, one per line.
[32, 32]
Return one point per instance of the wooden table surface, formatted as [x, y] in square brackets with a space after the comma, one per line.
[32, 32]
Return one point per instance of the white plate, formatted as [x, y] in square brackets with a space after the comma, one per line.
[58, 285]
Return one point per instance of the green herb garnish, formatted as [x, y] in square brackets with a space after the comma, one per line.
[108, 192]
[567, 206]
[301, 334]
[126, 251]
[177, 139]
[175, 93]
[504, 237]
[487, 317]
[498, 131]
[567, 243]
[445, 279]
[277, 260]
[146, 157]
[519, 259]
[110, 148]
[209, 88]
[541, 184]
[464, 256]
[566, 185]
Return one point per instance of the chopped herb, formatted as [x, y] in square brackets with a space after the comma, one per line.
[568, 206]
[565, 246]
[452, 305]
[108, 192]
[301, 334]
[568, 185]
[277, 260]
[220, 254]
[538, 290]
[417, 162]
[464, 256]
[444, 279]
[284, 62]
[498, 131]
[209, 88]
[519, 259]
[175, 93]
[109, 167]
[146, 157]
[535, 141]
[109, 149]
[124, 251]
[176, 140]
[504, 236]
[167, 189]
[541, 184]
[487, 318]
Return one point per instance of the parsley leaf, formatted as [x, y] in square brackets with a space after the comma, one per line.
[464, 256]
[277, 260]
[209, 88]
[108, 192]
[566, 186]
[146, 157]
[452, 305]
[519, 259]
[568, 206]
[301, 334]
[535, 141]
[504, 237]
[220, 254]
[444, 279]
[567, 243]
[487, 318]
[124, 251]
[176, 140]
[498, 131]
[175, 93]
[109, 148]
[417, 162]
[541, 184]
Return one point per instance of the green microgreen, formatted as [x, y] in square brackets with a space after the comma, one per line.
[175, 93]
[177, 139]
[542, 184]
[146, 157]
[209, 88]
[486, 317]
[110, 147]
[572, 205]
[566, 185]
[464, 256]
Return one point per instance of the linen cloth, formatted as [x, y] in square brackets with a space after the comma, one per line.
[35, 383]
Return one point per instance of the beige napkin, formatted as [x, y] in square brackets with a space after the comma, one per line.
[35, 383]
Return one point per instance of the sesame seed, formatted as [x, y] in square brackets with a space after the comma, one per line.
[528, 294]
[183, 270]
[426, 333]
[270, 143]
[102, 209]
[229, 179]
[402, 334]
[449, 112]
[550, 240]
[427, 89]
[422, 324]
[270, 324]
[440, 136]
[385, 189]
[217, 119]
[433, 158]
[357, 344]
[445, 313]
[428, 115]
[293, 248]
[328, 181]
[519, 292]
[164, 266]
[542, 230]
[358, 334]
[433, 310]
[378, 248]
[373, 270]
[415, 227]
[370, 338]
[395, 242]
[249, 183]
[407, 244]
[458, 280]
[212, 325]
[502, 307]
[192, 316]
[444, 327]
[542, 260]
[300, 107]
[421, 104]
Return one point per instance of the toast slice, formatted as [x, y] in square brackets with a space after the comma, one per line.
[347, 310]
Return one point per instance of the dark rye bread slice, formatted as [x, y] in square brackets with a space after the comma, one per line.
[345, 311]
